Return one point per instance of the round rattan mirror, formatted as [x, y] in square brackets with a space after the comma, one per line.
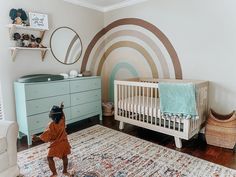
[66, 45]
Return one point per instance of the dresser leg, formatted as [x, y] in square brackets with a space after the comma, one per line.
[29, 139]
[20, 135]
[100, 117]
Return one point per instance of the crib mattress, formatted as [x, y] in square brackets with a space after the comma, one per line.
[146, 105]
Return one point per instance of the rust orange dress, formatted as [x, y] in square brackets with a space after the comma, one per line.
[57, 136]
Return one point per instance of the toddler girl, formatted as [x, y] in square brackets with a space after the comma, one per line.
[57, 136]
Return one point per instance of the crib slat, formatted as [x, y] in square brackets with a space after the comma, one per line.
[169, 120]
[129, 104]
[174, 125]
[192, 125]
[119, 100]
[123, 101]
[179, 125]
[126, 104]
[147, 106]
[151, 106]
[139, 103]
[132, 102]
[164, 124]
[136, 102]
[143, 105]
[156, 113]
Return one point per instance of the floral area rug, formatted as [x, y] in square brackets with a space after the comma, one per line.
[102, 152]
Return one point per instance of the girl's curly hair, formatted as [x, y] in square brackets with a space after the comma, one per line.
[56, 113]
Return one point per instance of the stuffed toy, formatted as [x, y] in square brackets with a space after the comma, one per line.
[25, 40]
[35, 42]
[18, 16]
[17, 38]
[39, 40]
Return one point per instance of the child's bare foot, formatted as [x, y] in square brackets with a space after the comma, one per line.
[66, 174]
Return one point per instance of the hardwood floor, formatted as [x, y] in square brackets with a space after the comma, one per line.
[196, 147]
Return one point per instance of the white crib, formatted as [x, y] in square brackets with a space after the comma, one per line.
[137, 103]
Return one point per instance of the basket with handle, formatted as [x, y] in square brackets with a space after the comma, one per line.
[221, 129]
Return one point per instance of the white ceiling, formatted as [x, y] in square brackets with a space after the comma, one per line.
[105, 5]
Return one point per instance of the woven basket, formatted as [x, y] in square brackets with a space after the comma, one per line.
[221, 129]
[108, 109]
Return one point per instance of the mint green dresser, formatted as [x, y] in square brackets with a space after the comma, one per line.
[81, 97]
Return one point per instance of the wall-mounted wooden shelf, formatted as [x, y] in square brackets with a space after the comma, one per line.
[14, 51]
[13, 28]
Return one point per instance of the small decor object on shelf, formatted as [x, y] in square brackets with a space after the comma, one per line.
[73, 73]
[18, 16]
[25, 40]
[35, 42]
[38, 20]
[221, 129]
[17, 38]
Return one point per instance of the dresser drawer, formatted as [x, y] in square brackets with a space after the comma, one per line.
[85, 97]
[43, 90]
[45, 104]
[84, 85]
[85, 109]
[40, 121]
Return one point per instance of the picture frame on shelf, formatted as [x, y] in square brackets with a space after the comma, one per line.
[38, 20]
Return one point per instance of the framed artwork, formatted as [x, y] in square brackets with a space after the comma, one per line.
[37, 20]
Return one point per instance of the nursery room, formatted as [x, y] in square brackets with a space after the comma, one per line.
[117, 88]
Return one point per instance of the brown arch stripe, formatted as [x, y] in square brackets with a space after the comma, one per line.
[140, 36]
[130, 45]
[139, 22]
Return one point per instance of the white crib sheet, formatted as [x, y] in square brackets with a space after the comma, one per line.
[150, 106]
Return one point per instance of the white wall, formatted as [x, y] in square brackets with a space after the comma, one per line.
[84, 21]
[203, 32]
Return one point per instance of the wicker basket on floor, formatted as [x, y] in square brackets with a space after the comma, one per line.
[221, 129]
[108, 109]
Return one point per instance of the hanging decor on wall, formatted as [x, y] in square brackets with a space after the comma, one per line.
[133, 48]
[69, 51]
[38, 20]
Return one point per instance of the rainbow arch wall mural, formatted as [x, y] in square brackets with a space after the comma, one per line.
[129, 48]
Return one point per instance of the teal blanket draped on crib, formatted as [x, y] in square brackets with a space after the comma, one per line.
[178, 98]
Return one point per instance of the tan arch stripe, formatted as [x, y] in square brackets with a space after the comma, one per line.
[140, 36]
[70, 47]
[133, 45]
[142, 23]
